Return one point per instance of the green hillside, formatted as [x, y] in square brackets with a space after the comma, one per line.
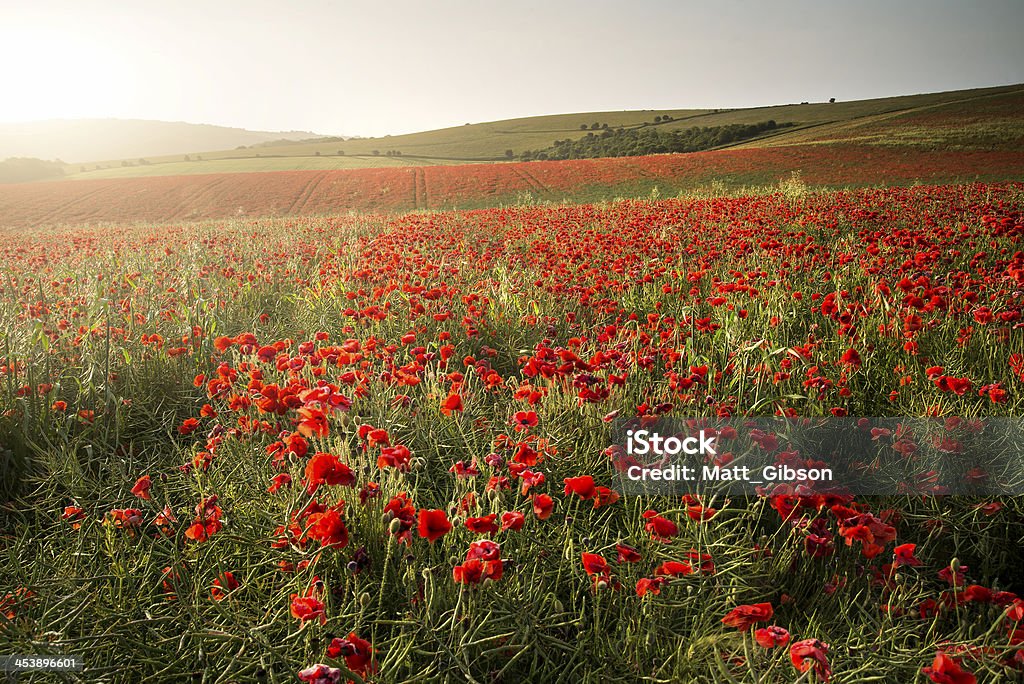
[983, 118]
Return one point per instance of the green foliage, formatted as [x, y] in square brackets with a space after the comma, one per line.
[24, 169]
[630, 142]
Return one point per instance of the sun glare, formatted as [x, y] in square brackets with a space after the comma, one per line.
[61, 74]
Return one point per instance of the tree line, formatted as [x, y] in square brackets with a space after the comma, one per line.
[25, 169]
[629, 142]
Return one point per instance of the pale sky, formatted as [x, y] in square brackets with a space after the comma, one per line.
[373, 67]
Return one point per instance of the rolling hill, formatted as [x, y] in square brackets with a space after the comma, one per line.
[82, 139]
[957, 137]
[979, 119]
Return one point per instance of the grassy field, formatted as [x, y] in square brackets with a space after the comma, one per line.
[233, 450]
[489, 141]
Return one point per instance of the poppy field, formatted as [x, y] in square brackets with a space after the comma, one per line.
[378, 447]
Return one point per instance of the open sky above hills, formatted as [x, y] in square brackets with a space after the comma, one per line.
[362, 68]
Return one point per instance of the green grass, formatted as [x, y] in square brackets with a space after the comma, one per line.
[98, 591]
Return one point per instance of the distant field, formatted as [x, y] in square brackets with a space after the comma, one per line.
[864, 122]
[263, 163]
[304, 193]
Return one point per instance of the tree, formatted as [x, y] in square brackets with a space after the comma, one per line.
[317, 153]
[341, 153]
[583, 127]
[25, 169]
[509, 154]
[831, 100]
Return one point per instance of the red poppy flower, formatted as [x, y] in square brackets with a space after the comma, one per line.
[650, 585]
[627, 554]
[582, 486]
[661, 529]
[320, 674]
[141, 488]
[904, 555]
[451, 404]
[484, 549]
[743, 617]
[512, 520]
[543, 506]
[313, 422]
[475, 571]
[433, 524]
[594, 564]
[673, 569]
[811, 653]
[327, 469]
[75, 514]
[947, 670]
[770, 637]
[398, 457]
[307, 608]
[188, 426]
[358, 653]
[328, 528]
[223, 585]
[483, 525]
[280, 480]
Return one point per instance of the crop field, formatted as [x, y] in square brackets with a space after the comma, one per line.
[378, 446]
[290, 193]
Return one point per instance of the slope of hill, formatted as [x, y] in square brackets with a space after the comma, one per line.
[81, 139]
[988, 121]
[812, 122]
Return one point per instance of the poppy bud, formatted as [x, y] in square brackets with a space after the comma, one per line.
[395, 527]
[557, 607]
[955, 564]
[364, 599]
[163, 477]
[387, 517]
[352, 566]
[602, 585]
